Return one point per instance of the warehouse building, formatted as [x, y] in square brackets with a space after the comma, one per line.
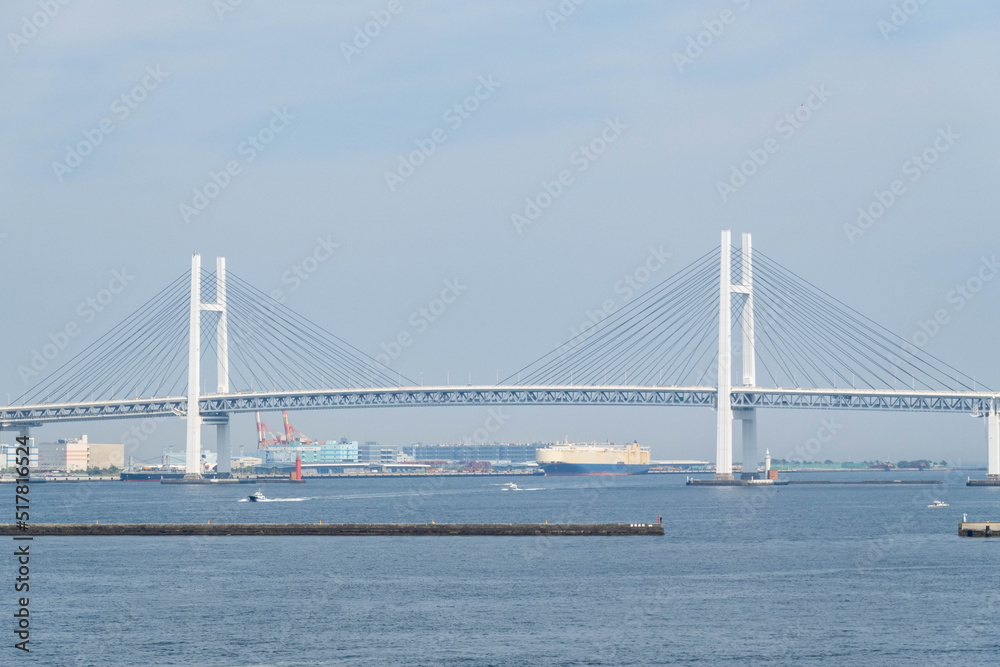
[80, 455]
[510, 453]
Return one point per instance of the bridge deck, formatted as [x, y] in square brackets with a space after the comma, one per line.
[968, 402]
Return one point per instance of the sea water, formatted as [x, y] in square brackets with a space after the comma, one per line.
[811, 574]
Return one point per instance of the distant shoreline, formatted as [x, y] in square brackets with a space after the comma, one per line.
[76, 479]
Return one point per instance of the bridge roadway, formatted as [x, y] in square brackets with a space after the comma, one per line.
[220, 405]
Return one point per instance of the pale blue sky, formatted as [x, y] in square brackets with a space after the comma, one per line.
[656, 186]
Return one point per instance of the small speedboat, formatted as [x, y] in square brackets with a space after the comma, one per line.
[510, 486]
[256, 496]
[938, 503]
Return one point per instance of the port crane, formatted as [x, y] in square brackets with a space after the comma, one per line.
[268, 436]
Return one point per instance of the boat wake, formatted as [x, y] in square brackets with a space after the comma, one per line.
[511, 486]
[275, 500]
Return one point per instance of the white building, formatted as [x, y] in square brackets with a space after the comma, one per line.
[65, 455]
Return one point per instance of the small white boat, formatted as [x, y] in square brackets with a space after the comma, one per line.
[256, 496]
[510, 486]
[938, 503]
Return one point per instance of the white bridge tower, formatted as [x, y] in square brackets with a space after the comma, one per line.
[725, 412]
[194, 416]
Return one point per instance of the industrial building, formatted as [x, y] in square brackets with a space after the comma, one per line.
[247, 462]
[105, 455]
[8, 455]
[281, 449]
[343, 468]
[373, 452]
[65, 455]
[344, 451]
[370, 452]
[80, 455]
[509, 453]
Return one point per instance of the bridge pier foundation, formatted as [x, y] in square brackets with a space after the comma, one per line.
[749, 419]
[220, 420]
[222, 447]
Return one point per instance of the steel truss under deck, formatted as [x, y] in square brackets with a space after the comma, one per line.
[830, 399]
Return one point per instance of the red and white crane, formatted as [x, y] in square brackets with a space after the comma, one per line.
[268, 436]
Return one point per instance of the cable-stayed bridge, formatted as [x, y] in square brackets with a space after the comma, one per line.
[733, 331]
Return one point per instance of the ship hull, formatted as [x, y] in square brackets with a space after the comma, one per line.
[562, 468]
[149, 476]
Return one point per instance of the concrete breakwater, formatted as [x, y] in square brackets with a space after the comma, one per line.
[867, 481]
[978, 529]
[331, 529]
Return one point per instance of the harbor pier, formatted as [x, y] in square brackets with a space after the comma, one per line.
[978, 529]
